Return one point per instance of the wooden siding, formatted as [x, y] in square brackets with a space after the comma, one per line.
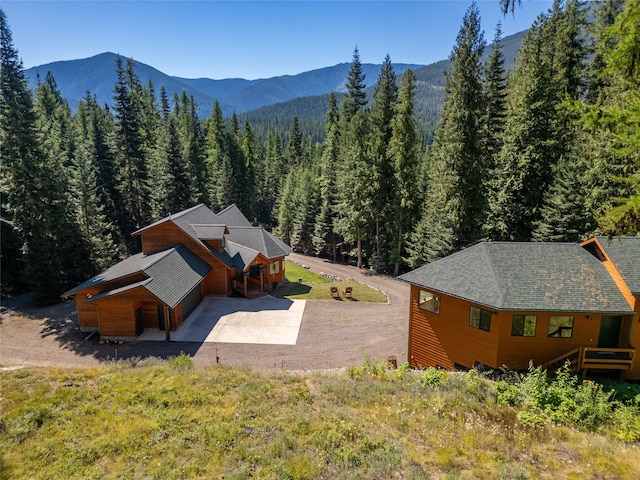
[515, 352]
[167, 235]
[117, 317]
[150, 314]
[216, 282]
[446, 339]
[634, 372]
[277, 277]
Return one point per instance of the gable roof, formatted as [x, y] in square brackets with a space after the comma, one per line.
[170, 275]
[233, 217]
[624, 253]
[200, 223]
[259, 240]
[555, 277]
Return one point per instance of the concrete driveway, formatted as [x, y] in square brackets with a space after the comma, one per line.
[266, 320]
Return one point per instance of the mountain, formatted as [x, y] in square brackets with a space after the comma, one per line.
[97, 75]
[269, 103]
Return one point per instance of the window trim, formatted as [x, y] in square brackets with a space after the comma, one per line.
[436, 298]
[481, 324]
[274, 268]
[524, 322]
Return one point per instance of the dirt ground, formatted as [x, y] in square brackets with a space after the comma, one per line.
[333, 334]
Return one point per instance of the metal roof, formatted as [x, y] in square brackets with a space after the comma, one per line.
[556, 277]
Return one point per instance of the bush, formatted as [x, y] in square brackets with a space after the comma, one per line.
[181, 362]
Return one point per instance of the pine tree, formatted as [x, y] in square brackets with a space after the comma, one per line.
[178, 183]
[615, 122]
[403, 152]
[356, 97]
[251, 154]
[456, 180]
[325, 238]
[355, 185]
[303, 211]
[385, 98]
[131, 154]
[217, 159]
[274, 174]
[98, 242]
[563, 217]
[524, 164]
[295, 147]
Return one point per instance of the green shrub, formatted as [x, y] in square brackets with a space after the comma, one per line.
[181, 362]
[432, 377]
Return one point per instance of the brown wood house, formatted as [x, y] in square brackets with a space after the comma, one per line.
[504, 304]
[185, 257]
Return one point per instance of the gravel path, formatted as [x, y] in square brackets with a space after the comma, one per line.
[334, 334]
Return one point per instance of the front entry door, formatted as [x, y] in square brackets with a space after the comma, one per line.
[609, 331]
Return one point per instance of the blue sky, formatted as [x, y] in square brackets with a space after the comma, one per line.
[249, 39]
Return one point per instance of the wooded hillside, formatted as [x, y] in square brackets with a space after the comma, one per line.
[550, 153]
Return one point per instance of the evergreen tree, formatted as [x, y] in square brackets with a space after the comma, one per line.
[295, 147]
[134, 176]
[217, 159]
[356, 97]
[563, 216]
[495, 102]
[355, 185]
[100, 138]
[385, 97]
[403, 152]
[274, 174]
[99, 247]
[192, 141]
[178, 183]
[303, 211]
[524, 164]
[615, 123]
[325, 238]
[456, 181]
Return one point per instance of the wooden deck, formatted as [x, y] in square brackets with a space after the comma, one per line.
[583, 359]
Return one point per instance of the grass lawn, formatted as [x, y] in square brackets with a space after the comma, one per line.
[172, 420]
[317, 287]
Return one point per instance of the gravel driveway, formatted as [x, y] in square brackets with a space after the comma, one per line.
[333, 334]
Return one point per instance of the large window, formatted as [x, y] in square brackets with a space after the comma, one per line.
[560, 326]
[523, 326]
[429, 302]
[480, 318]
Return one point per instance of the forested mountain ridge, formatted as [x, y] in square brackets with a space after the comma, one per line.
[97, 75]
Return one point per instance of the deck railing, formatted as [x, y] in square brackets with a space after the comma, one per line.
[582, 359]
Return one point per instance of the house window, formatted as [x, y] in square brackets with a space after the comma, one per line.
[480, 318]
[560, 326]
[274, 268]
[429, 302]
[523, 326]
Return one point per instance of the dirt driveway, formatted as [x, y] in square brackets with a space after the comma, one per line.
[333, 333]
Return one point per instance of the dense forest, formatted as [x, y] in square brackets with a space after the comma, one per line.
[548, 151]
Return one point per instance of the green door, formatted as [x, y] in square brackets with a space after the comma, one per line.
[609, 331]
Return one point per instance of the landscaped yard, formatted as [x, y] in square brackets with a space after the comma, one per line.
[303, 284]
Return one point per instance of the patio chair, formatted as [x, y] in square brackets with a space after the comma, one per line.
[335, 293]
[348, 292]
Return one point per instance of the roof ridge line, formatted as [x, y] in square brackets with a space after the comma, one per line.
[494, 274]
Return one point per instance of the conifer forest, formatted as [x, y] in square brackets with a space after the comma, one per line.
[547, 151]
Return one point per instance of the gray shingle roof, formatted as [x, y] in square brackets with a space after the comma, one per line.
[209, 232]
[170, 277]
[233, 217]
[258, 239]
[524, 277]
[624, 252]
